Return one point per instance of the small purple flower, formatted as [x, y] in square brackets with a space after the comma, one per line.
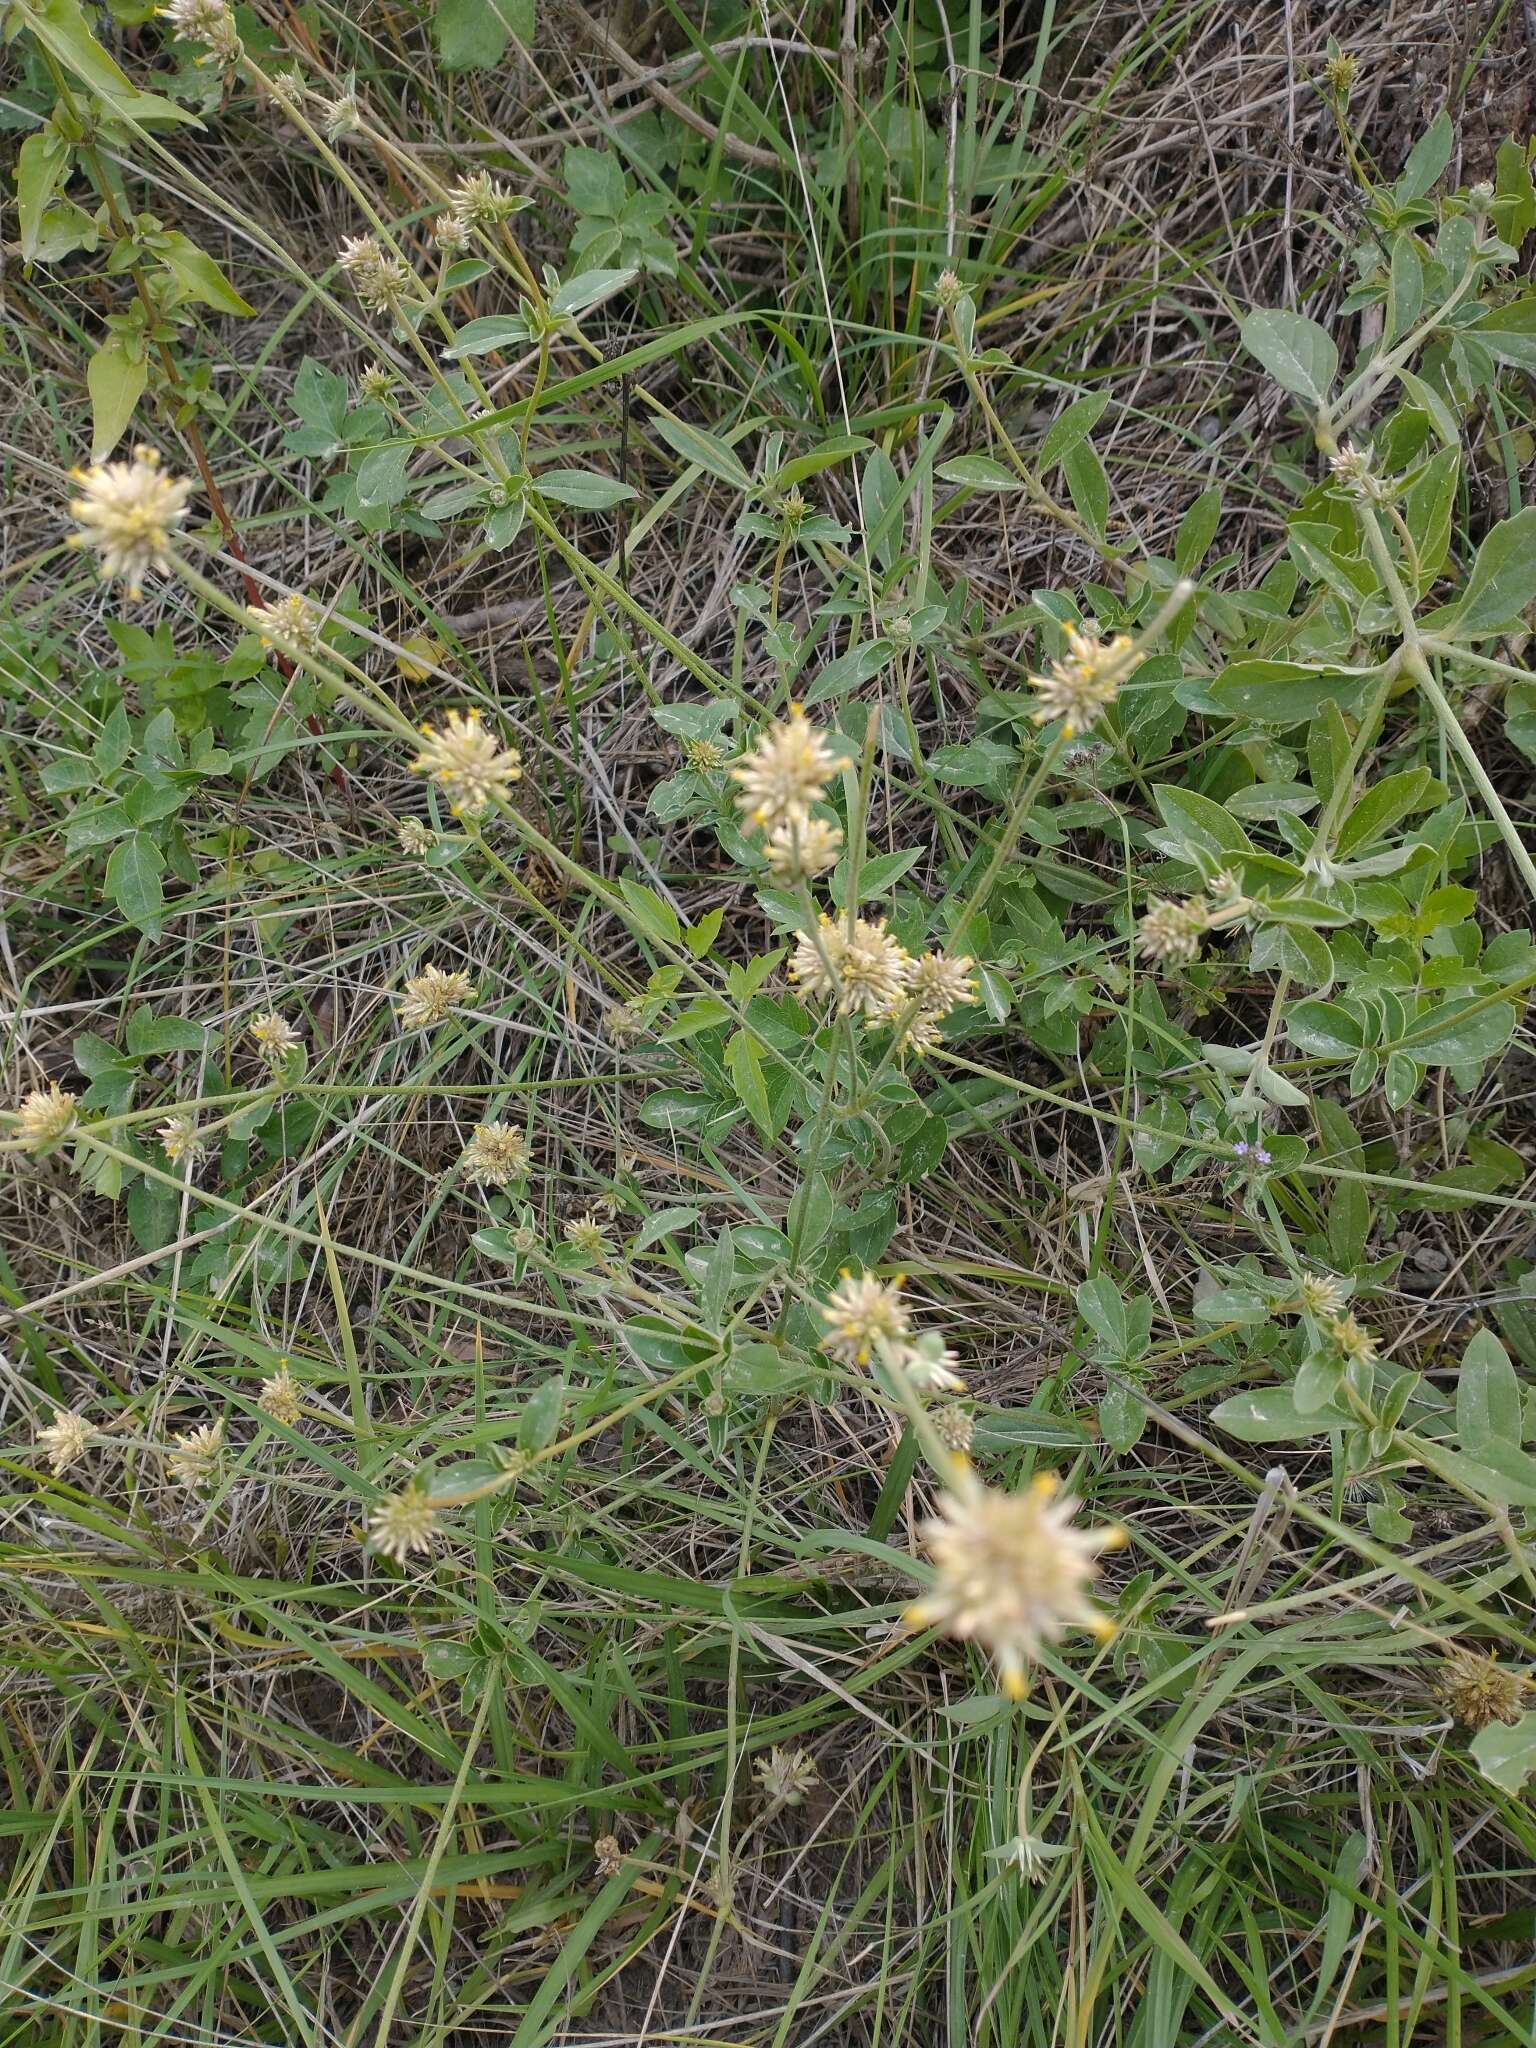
[1241, 1148]
[1262, 1157]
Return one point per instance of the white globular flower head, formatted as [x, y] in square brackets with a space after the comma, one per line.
[929, 1366]
[865, 1317]
[801, 848]
[467, 763]
[292, 625]
[404, 1523]
[1171, 931]
[46, 1115]
[585, 1234]
[496, 1154]
[786, 772]
[1081, 687]
[784, 1776]
[194, 1462]
[480, 200]
[1322, 1296]
[1353, 470]
[451, 233]
[342, 116]
[943, 982]
[209, 22]
[65, 1440]
[1013, 1572]
[127, 512]
[179, 1139]
[429, 997]
[281, 1396]
[1355, 1343]
[381, 280]
[415, 838]
[376, 384]
[875, 971]
[274, 1038]
[866, 969]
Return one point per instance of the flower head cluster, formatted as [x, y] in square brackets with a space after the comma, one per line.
[607, 1855]
[786, 772]
[127, 512]
[1322, 1296]
[1080, 689]
[381, 280]
[868, 1318]
[1355, 1343]
[865, 1316]
[467, 763]
[179, 1138]
[801, 848]
[1352, 470]
[195, 1460]
[209, 22]
[291, 626]
[1013, 1572]
[937, 984]
[430, 995]
[866, 969]
[451, 234]
[1478, 1690]
[1172, 931]
[46, 1115]
[65, 1440]
[376, 384]
[274, 1038]
[622, 1023]
[415, 838]
[480, 200]
[403, 1523]
[281, 1396]
[342, 116]
[784, 1776]
[496, 1153]
[585, 1234]
[1341, 70]
[948, 290]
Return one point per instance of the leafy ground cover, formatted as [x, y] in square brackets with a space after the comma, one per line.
[768, 1271]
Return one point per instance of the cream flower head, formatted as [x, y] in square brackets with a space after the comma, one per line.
[274, 1037]
[281, 1396]
[802, 848]
[784, 1776]
[467, 763]
[65, 1440]
[46, 1115]
[127, 512]
[786, 772]
[1322, 1296]
[429, 996]
[195, 1460]
[210, 22]
[403, 1524]
[1170, 930]
[865, 1316]
[291, 625]
[867, 970]
[1012, 1572]
[1354, 1341]
[179, 1139]
[1080, 689]
[380, 280]
[496, 1153]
